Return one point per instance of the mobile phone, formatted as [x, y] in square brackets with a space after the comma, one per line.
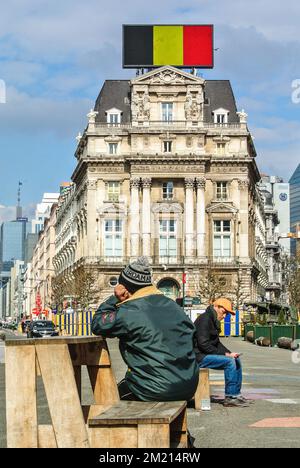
[240, 354]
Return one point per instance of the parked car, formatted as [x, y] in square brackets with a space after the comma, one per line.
[41, 329]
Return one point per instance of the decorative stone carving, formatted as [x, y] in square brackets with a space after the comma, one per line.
[167, 77]
[189, 141]
[167, 208]
[92, 184]
[242, 116]
[189, 182]
[146, 182]
[140, 107]
[243, 184]
[193, 106]
[135, 182]
[201, 182]
[92, 116]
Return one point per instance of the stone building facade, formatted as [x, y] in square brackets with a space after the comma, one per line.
[166, 169]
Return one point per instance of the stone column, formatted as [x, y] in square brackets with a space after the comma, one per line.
[200, 217]
[146, 216]
[189, 218]
[244, 220]
[90, 236]
[134, 217]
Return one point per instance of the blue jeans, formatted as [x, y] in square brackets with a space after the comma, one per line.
[232, 372]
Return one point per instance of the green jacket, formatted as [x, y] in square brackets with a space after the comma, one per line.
[156, 343]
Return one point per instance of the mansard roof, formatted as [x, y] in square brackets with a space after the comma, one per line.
[116, 93]
[219, 94]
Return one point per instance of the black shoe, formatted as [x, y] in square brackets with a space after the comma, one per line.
[234, 402]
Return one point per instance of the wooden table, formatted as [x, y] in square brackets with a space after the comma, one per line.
[58, 360]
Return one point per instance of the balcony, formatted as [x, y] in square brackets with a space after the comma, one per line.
[182, 124]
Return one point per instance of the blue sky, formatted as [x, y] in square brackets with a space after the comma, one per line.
[55, 56]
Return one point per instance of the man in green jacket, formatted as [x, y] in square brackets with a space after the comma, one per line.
[156, 338]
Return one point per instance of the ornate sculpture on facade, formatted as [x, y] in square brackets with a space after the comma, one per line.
[193, 106]
[92, 116]
[140, 107]
[242, 116]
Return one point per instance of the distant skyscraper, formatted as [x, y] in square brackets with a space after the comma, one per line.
[12, 243]
[280, 192]
[295, 203]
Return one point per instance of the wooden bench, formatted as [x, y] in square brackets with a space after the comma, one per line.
[58, 362]
[202, 395]
[136, 424]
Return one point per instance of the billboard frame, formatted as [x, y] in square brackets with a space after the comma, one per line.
[159, 66]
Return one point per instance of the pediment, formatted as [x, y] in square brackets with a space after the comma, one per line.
[221, 207]
[167, 208]
[168, 75]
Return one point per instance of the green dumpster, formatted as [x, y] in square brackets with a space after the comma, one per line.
[280, 331]
[263, 330]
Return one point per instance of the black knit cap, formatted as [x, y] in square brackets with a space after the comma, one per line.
[136, 275]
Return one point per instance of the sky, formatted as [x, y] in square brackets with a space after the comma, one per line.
[55, 56]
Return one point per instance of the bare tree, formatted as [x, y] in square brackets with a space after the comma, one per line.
[294, 282]
[59, 291]
[83, 290]
[238, 295]
[211, 286]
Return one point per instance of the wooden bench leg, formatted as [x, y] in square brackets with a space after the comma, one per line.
[153, 436]
[21, 409]
[202, 395]
[62, 395]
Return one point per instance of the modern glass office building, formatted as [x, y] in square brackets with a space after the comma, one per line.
[12, 242]
[295, 203]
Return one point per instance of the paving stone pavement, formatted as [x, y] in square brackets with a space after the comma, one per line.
[271, 379]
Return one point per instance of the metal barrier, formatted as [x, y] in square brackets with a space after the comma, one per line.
[75, 324]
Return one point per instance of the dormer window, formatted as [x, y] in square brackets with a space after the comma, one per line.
[113, 116]
[220, 116]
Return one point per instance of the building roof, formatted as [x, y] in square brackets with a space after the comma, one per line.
[116, 94]
[295, 179]
[218, 94]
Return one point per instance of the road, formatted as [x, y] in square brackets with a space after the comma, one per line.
[270, 378]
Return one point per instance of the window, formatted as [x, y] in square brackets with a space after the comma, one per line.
[167, 146]
[113, 118]
[221, 148]
[222, 239]
[222, 190]
[167, 111]
[168, 190]
[220, 116]
[167, 238]
[113, 238]
[113, 191]
[112, 148]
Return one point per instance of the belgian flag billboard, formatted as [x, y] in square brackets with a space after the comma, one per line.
[183, 46]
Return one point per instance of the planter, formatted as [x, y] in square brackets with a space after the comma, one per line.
[263, 330]
[280, 331]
